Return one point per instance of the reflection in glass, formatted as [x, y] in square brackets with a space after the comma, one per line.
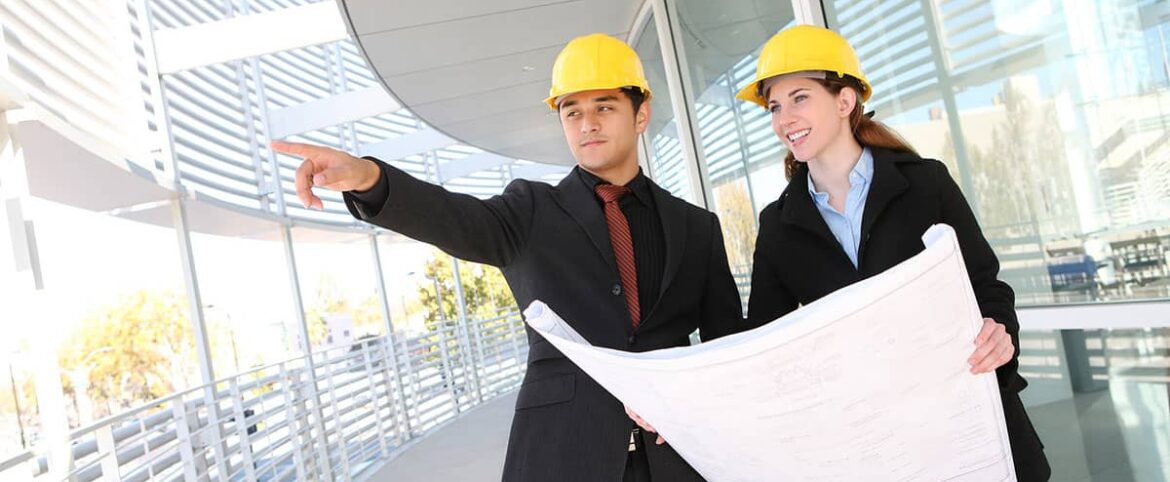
[721, 41]
[1056, 128]
[1098, 399]
[666, 158]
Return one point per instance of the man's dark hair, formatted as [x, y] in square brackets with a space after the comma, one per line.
[637, 97]
[635, 94]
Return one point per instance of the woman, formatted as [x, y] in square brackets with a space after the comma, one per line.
[857, 203]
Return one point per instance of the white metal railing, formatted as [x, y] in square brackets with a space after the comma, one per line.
[218, 117]
[372, 398]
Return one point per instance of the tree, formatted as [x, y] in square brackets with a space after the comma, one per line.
[738, 219]
[1022, 178]
[485, 291]
[138, 349]
[329, 300]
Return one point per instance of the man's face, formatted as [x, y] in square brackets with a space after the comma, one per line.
[602, 128]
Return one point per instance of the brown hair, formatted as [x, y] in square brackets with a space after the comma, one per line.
[866, 131]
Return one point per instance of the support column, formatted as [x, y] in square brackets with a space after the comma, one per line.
[318, 422]
[30, 297]
[391, 337]
[682, 99]
[946, 89]
[467, 356]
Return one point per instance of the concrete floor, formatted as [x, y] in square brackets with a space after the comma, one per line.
[469, 449]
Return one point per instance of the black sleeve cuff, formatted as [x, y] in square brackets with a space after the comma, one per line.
[375, 197]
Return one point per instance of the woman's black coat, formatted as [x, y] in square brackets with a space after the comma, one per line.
[797, 261]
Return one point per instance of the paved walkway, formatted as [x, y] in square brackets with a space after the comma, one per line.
[470, 449]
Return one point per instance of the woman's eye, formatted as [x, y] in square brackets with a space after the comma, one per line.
[775, 109]
[801, 97]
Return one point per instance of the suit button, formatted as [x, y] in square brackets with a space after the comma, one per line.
[617, 289]
[632, 339]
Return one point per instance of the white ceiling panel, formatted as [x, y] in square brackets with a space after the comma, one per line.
[479, 71]
[382, 15]
[488, 75]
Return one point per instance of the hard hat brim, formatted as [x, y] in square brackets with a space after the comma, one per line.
[554, 101]
[752, 91]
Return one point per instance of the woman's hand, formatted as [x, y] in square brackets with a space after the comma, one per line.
[993, 348]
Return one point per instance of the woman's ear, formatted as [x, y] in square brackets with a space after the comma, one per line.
[846, 101]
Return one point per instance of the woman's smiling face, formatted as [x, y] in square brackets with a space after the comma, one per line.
[806, 116]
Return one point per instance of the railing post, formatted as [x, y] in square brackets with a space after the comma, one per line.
[398, 374]
[244, 444]
[375, 399]
[109, 453]
[448, 374]
[390, 340]
[475, 331]
[183, 429]
[462, 333]
[297, 426]
[338, 427]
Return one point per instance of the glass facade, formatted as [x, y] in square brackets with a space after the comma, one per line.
[1098, 399]
[1055, 130]
[248, 309]
[665, 157]
[743, 157]
[1053, 117]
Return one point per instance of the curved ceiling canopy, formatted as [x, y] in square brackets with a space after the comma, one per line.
[479, 71]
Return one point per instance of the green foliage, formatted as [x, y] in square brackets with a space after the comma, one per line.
[484, 289]
[329, 300]
[738, 220]
[138, 349]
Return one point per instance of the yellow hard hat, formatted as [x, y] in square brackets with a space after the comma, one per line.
[805, 48]
[595, 62]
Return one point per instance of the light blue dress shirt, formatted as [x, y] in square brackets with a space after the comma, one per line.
[846, 226]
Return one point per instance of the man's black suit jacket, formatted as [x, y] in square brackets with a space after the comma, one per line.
[552, 244]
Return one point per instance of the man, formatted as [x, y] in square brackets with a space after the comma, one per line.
[629, 266]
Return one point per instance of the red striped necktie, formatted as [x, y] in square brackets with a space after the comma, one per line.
[623, 245]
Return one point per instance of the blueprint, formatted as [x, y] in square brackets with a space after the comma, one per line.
[868, 383]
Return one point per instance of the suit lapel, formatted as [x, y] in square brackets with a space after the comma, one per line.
[887, 184]
[799, 209]
[576, 199]
[672, 212]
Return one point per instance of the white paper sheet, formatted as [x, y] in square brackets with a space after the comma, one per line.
[868, 383]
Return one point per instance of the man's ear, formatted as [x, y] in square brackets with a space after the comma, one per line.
[642, 117]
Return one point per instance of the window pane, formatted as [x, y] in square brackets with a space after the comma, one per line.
[247, 299]
[744, 158]
[338, 287]
[1098, 399]
[1053, 118]
[667, 162]
[113, 312]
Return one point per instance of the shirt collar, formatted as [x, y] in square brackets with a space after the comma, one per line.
[639, 185]
[862, 173]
